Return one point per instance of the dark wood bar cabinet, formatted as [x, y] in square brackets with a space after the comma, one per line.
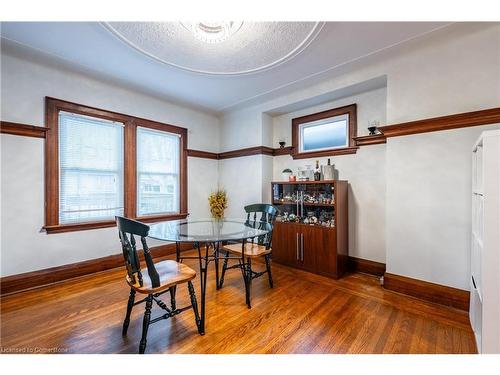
[311, 232]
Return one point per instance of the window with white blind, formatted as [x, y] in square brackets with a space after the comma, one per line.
[101, 164]
[157, 172]
[90, 168]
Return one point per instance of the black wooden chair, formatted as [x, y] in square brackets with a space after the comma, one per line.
[154, 280]
[248, 250]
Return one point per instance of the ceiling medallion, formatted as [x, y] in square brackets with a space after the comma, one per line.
[212, 32]
[229, 48]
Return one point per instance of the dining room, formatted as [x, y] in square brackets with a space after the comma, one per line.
[285, 186]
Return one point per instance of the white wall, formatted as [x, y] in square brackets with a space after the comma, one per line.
[429, 210]
[245, 179]
[24, 86]
[242, 180]
[455, 71]
[240, 130]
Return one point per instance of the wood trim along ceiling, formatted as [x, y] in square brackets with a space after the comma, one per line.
[15, 128]
[36, 279]
[444, 295]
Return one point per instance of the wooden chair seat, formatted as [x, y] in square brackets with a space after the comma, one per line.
[252, 250]
[171, 273]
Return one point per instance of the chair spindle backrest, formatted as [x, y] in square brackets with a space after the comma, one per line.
[127, 228]
[267, 216]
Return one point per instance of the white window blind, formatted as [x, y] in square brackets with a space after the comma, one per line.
[157, 172]
[90, 168]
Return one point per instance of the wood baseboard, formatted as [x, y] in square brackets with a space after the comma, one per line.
[444, 295]
[365, 266]
[36, 279]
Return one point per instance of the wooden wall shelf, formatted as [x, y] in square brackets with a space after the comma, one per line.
[308, 204]
[367, 140]
[304, 182]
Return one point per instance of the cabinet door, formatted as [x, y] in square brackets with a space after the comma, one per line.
[310, 242]
[326, 253]
[285, 250]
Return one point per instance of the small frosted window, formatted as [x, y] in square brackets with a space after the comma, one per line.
[325, 134]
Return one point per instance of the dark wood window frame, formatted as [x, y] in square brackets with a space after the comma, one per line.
[52, 108]
[352, 132]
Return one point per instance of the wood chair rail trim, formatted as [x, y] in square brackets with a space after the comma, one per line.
[455, 121]
[257, 150]
[15, 128]
[202, 154]
[367, 140]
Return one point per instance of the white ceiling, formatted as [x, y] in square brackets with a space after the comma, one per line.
[257, 62]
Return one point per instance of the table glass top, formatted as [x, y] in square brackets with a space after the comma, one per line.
[207, 230]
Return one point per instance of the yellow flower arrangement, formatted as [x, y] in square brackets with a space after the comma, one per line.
[218, 203]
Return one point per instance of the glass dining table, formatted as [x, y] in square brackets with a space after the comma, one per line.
[207, 235]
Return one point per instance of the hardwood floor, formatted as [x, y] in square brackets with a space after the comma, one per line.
[304, 313]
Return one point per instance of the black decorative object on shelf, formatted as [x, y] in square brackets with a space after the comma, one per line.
[372, 130]
[282, 144]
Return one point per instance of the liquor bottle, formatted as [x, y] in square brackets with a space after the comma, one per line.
[317, 172]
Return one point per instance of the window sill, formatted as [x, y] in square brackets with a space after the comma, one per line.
[107, 224]
[324, 153]
[155, 218]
